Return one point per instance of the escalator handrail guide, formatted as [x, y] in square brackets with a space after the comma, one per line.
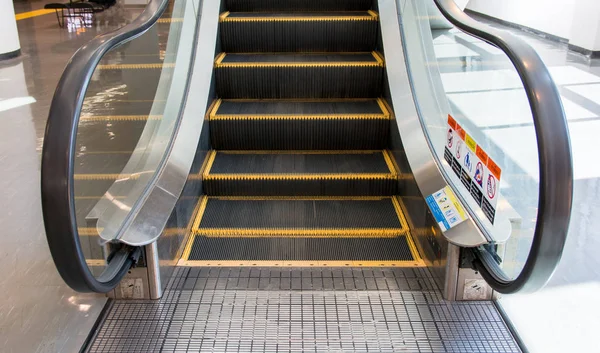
[58, 202]
[555, 161]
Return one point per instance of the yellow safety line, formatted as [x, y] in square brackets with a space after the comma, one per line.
[224, 15]
[120, 117]
[202, 169]
[212, 110]
[88, 231]
[189, 234]
[350, 116]
[95, 262]
[401, 213]
[388, 162]
[379, 62]
[304, 198]
[303, 233]
[372, 16]
[209, 164]
[299, 151]
[300, 64]
[170, 20]
[135, 66]
[197, 219]
[299, 100]
[298, 263]
[383, 107]
[34, 13]
[219, 59]
[299, 176]
[401, 175]
[378, 57]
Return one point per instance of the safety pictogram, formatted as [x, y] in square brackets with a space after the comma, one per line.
[477, 172]
[491, 186]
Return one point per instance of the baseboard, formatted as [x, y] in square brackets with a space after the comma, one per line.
[592, 54]
[10, 54]
[519, 27]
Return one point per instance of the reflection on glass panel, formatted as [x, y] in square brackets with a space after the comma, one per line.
[126, 121]
[479, 124]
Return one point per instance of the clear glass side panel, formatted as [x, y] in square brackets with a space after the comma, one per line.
[128, 118]
[480, 128]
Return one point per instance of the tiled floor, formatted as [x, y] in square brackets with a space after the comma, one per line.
[38, 312]
[310, 310]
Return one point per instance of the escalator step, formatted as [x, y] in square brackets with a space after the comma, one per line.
[298, 5]
[299, 124]
[293, 75]
[298, 32]
[300, 173]
[341, 217]
[328, 251]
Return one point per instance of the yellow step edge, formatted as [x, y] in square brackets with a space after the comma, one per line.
[379, 62]
[135, 66]
[170, 20]
[298, 151]
[305, 198]
[300, 233]
[347, 16]
[349, 176]
[214, 108]
[298, 263]
[197, 218]
[230, 117]
[299, 100]
[401, 211]
[393, 174]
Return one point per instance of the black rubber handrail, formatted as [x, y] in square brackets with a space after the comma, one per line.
[555, 162]
[58, 202]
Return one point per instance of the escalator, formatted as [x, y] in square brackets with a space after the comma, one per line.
[298, 134]
[299, 170]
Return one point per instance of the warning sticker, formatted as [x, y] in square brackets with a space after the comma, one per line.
[478, 173]
[446, 209]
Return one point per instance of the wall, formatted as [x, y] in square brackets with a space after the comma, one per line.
[585, 32]
[550, 16]
[9, 45]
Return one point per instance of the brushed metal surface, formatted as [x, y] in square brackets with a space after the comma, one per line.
[425, 169]
[122, 221]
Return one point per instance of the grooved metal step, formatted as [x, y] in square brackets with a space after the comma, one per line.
[299, 75]
[300, 217]
[294, 173]
[299, 124]
[298, 5]
[285, 251]
[248, 32]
